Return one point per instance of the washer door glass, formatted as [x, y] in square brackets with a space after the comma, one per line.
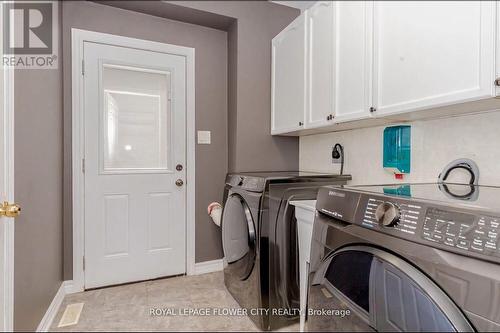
[382, 292]
[238, 237]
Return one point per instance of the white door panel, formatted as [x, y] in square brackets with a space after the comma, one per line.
[353, 55]
[134, 137]
[6, 195]
[116, 225]
[321, 57]
[432, 53]
[6, 190]
[289, 78]
[497, 49]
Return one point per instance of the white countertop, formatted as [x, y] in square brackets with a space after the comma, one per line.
[305, 204]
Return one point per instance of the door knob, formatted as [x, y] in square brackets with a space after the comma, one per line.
[179, 182]
[9, 210]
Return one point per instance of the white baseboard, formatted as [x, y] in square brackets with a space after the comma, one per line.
[71, 288]
[52, 310]
[208, 266]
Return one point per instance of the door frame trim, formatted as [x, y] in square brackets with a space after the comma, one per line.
[8, 188]
[78, 37]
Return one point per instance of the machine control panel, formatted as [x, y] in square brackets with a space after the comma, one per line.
[398, 216]
[456, 229]
[463, 231]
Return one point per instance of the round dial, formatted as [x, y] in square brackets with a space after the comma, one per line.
[387, 214]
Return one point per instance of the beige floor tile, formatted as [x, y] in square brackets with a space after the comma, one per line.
[134, 294]
[176, 324]
[127, 307]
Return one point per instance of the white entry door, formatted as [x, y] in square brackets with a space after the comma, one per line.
[7, 209]
[134, 165]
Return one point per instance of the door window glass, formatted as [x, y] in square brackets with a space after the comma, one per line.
[135, 119]
[349, 273]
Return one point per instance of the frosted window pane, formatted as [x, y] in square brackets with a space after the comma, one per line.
[135, 119]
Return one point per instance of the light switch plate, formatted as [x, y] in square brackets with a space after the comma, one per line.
[204, 137]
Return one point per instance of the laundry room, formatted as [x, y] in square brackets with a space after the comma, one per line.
[259, 165]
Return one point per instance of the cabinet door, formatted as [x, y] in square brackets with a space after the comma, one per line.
[497, 50]
[320, 74]
[353, 59]
[430, 54]
[288, 78]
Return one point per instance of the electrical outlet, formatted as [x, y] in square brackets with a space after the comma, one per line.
[335, 160]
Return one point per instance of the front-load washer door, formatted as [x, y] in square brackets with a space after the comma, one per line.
[239, 237]
[368, 289]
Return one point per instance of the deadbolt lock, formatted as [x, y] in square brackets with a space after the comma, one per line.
[9, 210]
[178, 167]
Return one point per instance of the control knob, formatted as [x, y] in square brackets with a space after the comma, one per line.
[387, 214]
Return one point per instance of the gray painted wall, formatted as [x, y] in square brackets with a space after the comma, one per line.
[251, 147]
[244, 128]
[43, 130]
[211, 104]
[39, 190]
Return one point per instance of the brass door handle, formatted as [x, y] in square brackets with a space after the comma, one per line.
[9, 210]
[179, 182]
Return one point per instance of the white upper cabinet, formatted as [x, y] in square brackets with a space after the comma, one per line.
[353, 59]
[320, 65]
[288, 82]
[346, 64]
[429, 54]
[497, 50]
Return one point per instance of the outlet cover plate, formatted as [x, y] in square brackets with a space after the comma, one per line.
[335, 160]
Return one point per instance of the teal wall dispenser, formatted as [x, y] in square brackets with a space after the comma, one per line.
[397, 149]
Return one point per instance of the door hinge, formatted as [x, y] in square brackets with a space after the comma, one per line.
[83, 165]
[83, 263]
[83, 67]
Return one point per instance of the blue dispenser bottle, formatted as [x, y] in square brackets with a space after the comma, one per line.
[397, 149]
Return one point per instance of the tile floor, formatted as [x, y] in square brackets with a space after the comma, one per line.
[127, 307]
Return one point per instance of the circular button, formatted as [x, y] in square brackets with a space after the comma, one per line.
[387, 214]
